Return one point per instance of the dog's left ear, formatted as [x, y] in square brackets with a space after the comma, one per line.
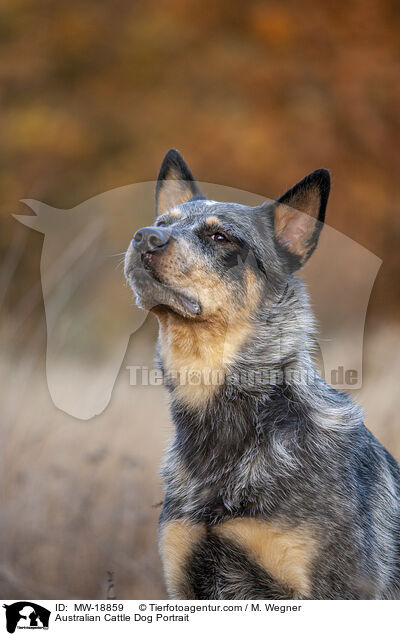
[175, 183]
[299, 215]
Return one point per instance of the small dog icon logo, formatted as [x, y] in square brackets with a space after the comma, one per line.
[26, 615]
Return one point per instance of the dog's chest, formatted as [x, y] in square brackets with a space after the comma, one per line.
[237, 558]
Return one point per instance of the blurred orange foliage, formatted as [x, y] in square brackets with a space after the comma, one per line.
[254, 94]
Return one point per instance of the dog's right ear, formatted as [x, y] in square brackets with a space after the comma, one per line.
[175, 183]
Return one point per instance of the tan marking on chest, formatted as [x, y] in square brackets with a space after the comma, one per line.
[285, 553]
[196, 356]
[197, 353]
[177, 540]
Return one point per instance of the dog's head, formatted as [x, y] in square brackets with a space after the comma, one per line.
[203, 259]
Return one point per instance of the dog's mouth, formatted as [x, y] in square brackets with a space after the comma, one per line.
[149, 265]
[153, 293]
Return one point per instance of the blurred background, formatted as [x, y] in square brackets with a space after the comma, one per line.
[255, 95]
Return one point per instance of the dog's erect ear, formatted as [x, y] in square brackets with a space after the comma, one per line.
[175, 183]
[299, 215]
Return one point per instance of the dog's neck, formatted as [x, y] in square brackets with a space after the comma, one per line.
[197, 355]
[248, 352]
[264, 412]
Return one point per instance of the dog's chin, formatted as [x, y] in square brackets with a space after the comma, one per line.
[154, 295]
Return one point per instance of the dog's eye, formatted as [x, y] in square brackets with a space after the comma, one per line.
[219, 237]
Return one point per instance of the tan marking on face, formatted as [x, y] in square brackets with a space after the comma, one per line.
[285, 553]
[175, 213]
[212, 220]
[198, 352]
[177, 540]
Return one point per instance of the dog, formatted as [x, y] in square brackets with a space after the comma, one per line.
[274, 488]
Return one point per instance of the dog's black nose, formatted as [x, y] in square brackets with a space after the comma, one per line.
[149, 239]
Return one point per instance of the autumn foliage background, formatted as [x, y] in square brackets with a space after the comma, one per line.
[255, 95]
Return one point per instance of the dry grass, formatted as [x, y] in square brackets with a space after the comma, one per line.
[78, 498]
